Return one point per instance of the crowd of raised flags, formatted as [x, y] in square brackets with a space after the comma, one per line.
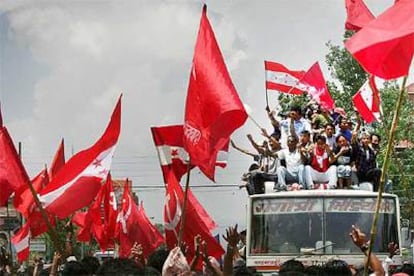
[384, 47]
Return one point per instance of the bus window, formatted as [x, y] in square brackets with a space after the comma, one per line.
[283, 226]
[342, 213]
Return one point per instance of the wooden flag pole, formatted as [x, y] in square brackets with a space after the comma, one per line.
[267, 96]
[51, 230]
[385, 166]
[184, 210]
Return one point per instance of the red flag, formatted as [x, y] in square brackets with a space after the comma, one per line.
[281, 79]
[37, 223]
[58, 160]
[134, 226]
[316, 87]
[12, 172]
[358, 15]
[78, 182]
[21, 242]
[385, 46]
[171, 153]
[213, 108]
[194, 223]
[110, 211]
[90, 222]
[23, 198]
[367, 101]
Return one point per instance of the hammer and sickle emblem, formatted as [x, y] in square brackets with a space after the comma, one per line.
[172, 222]
[122, 217]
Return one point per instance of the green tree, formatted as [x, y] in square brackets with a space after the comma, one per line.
[347, 77]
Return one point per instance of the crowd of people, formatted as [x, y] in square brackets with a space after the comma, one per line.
[313, 149]
[174, 262]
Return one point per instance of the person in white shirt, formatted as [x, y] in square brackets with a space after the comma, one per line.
[296, 121]
[291, 169]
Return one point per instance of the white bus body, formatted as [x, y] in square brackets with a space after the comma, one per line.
[313, 227]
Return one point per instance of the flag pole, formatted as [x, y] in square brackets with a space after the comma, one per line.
[267, 96]
[385, 166]
[184, 214]
[51, 230]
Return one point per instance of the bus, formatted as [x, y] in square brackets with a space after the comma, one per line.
[313, 227]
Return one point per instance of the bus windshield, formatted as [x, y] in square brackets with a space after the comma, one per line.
[301, 225]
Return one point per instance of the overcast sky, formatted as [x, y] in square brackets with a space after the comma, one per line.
[63, 64]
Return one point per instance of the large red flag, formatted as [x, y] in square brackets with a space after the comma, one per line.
[194, 223]
[385, 46]
[12, 172]
[281, 79]
[58, 160]
[367, 101]
[134, 226]
[316, 87]
[21, 242]
[23, 197]
[78, 182]
[358, 15]
[213, 107]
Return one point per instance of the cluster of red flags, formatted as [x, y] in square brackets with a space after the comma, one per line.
[66, 188]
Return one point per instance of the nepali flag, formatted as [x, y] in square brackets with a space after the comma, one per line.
[77, 183]
[281, 79]
[367, 101]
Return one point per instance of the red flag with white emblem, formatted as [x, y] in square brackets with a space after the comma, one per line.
[194, 223]
[110, 210]
[78, 182]
[213, 108]
[135, 227]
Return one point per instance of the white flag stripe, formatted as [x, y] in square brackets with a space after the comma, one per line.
[281, 78]
[91, 170]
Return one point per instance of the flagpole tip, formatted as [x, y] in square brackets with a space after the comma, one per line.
[205, 8]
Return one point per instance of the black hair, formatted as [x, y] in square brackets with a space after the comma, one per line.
[121, 267]
[305, 132]
[91, 264]
[313, 270]
[339, 136]
[319, 137]
[336, 267]
[157, 258]
[291, 265]
[375, 134]
[296, 109]
[74, 268]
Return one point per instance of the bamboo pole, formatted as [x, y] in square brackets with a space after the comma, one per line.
[385, 166]
[184, 210]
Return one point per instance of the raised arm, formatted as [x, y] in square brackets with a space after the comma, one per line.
[359, 239]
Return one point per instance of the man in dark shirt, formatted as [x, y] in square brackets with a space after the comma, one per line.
[366, 160]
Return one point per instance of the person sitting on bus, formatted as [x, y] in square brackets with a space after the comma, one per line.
[343, 158]
[365, 160]
[321, 168]
[291, 169]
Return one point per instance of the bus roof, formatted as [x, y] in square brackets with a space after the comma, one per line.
[322, 193]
